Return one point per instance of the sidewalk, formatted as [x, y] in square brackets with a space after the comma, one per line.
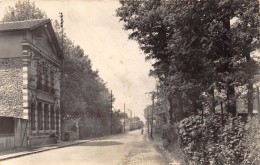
[18, 152]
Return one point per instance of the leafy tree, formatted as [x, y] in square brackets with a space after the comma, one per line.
[194, 45]
[198, 48]
[25, 10]
[84, 95]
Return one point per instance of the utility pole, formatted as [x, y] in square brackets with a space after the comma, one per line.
[148, 120]
[152, 117]
[124, 117]
[59, 130]
[111, 112]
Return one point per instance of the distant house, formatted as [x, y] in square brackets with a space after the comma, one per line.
[30, 65]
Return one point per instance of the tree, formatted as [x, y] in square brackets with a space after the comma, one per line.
[194, 45]
[198, 48]
[24, 10]
[85, 97]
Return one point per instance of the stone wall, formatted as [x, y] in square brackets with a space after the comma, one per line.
[70, 136]
[11, 87]
[39, 140]
[6, 142]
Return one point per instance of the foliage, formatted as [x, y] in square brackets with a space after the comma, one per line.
[211, 143]
[198, 48]
[194, 45]
[23, 10]
[94, 126]
[84, 94]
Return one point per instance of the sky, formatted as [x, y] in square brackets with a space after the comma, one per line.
[93, 26]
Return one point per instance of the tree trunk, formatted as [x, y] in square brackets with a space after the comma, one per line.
[171, 109]
[176, 108]
[212, 101]
[179, 107]
[226, 39]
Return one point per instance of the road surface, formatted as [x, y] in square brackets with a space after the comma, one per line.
[126, 149]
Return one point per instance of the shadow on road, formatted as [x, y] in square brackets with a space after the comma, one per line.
[100, 143]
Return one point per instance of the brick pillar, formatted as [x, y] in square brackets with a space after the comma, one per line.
[29, 126]
[25, 58]
[25, 84]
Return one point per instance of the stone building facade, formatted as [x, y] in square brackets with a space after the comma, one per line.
[30, 67]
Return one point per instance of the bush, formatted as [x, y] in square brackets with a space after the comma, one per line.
[209, 142]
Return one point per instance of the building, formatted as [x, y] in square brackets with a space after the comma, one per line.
[30, 67]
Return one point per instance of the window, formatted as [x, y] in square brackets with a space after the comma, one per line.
[33, 116]
[6, 125]
[57, 121]
[39, 76]
[46, 116]
[52, 117]
[46, 79]
[52, 82]
[40, 124]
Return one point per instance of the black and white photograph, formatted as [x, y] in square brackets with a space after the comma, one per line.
[129, 82]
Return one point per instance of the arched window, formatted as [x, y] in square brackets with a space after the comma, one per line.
[40, 116]
[46, 116]
[39, 76]
[33, 116]
[52, 117]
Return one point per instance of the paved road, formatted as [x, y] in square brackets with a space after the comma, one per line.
[126, 149]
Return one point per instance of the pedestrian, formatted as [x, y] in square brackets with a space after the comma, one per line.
[142, 131]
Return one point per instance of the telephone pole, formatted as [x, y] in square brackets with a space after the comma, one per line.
[148, 120]
[111, 112]
[59, 130]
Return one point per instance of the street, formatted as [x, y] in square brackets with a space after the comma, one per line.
[126, 149]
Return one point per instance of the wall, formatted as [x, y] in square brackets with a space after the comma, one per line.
[71, 130]
[40, 38]
[6, 142]
[11, 86]
[20, 132]
[18, 139]
[39, 140]
[71, 135]
[10, 44]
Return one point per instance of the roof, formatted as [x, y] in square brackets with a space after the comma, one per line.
[31, 25]
[22, 25]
